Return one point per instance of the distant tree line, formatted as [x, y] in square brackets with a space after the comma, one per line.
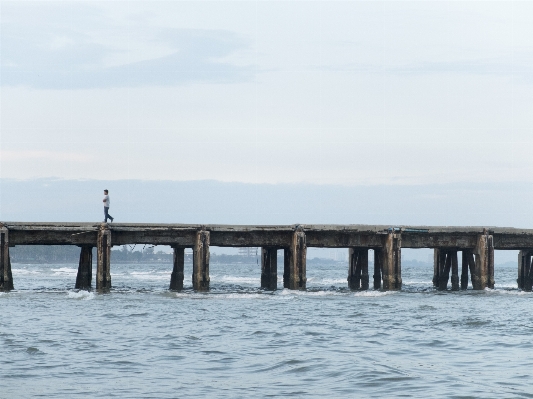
[71, 254]
[139, 254]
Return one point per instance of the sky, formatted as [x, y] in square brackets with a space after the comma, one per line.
[268, 92]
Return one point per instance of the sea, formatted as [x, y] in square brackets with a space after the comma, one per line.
[239, 341]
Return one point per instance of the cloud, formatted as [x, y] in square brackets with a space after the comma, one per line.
[25, 155]
[89, 53]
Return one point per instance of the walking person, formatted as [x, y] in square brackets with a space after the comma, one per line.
[107, 202]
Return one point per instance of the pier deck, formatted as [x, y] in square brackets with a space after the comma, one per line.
[477, 245]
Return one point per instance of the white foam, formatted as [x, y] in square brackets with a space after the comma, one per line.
[374, 293]
[24, 271]
[238, 280]
[65, 270]
[83, 295]
[512, 291]
[330, 281]
[243, 296]
[151, 275]
[288, 292]
[428, 283]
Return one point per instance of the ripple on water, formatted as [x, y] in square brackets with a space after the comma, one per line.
[239, 340]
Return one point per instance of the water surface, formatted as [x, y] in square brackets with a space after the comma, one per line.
[141, 340]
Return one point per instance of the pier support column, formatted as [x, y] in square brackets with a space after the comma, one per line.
[483, 275]
[297, 261]
[103, 262]
[455, 270]
[392, 262]
[176, 278]
[286, 267]
[358, 269]
[525, 274]
[6, 278]
[439, 259]
[269, 268]
[464, 270]
[85, 268]
[378, 256]
[200, 262]
[445, 264]
[445, 260]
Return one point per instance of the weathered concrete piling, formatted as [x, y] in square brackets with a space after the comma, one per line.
[6, 279]
[103, 267]
[479, 260]
[525, 271]
[476, 244]
[391, 266]
[358, 269]
[269, 268]
[200, 261]
[177, 276]
[85, 268]
[297, 260]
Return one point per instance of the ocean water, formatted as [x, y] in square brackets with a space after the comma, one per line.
[238, 341]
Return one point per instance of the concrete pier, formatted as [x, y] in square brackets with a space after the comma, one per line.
[269, 268]
[476, 244]
[85, 268]
[178, 262]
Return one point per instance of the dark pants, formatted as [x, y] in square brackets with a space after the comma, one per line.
[106, 214]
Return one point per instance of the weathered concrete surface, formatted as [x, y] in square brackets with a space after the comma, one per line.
[525, 271]
[280, 236]
[483, 276]
[358, 269]
[391, 265]
[286, 267]
[455, 270]
[269, 268]
[200, 263]
[445, 260]
[386, 241]
[464, 270]
[177, 276]
[378, 263]
[85, 268]
[297, 261]
[6, 278]
[103, 265]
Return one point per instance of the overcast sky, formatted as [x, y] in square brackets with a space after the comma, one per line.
[268, 92]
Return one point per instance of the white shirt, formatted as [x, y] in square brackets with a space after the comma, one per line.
[107, 201]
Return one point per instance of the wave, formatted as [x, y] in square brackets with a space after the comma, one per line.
[83, 295]
[65, 270]
[288, 292]
[374, 294]
[153, 275]
[24, 271]
[237, 280]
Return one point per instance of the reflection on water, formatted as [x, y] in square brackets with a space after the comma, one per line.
[141, 340]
